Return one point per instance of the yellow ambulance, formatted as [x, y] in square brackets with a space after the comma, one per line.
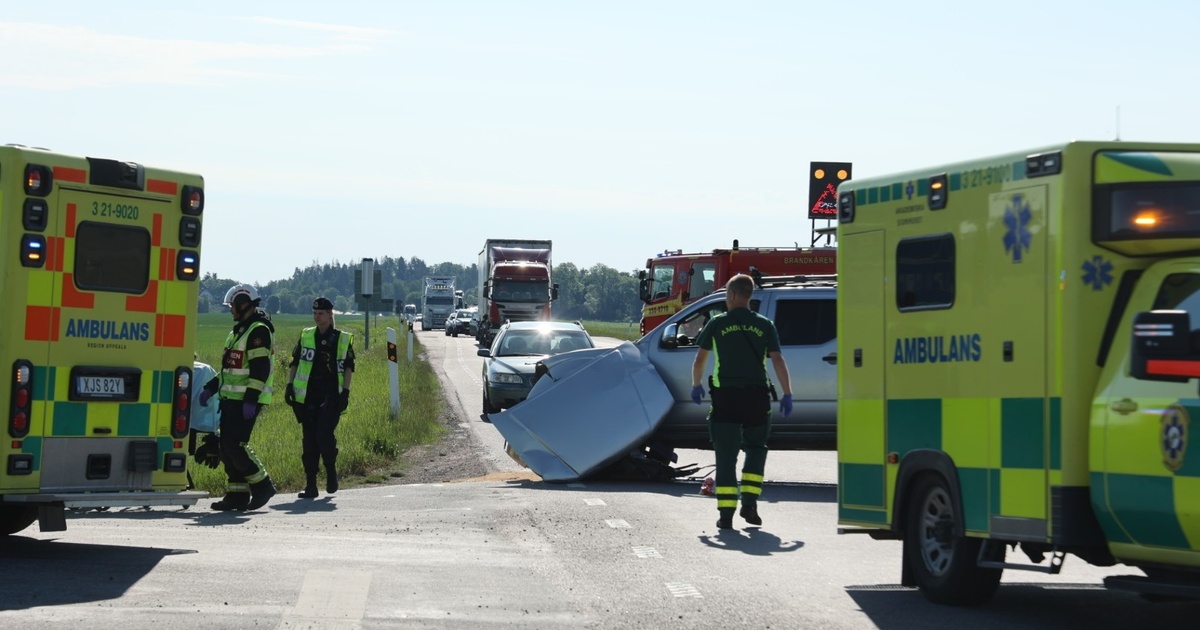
[1019, 347]
[100, 278]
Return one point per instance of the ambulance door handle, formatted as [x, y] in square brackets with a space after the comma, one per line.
[1124, 406]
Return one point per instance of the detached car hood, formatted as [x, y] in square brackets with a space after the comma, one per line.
[588, 410]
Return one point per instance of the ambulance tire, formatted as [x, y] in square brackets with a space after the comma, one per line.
[944, 565]
[14, 518]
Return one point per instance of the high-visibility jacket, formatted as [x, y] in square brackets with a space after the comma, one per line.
[308, 350]
[235, 369]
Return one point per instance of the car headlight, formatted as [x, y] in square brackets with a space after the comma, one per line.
[504, 377]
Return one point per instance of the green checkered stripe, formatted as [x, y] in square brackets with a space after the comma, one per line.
[917, 424]
[69, 418]
[896, 191]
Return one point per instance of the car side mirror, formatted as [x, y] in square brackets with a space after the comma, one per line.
[484, 352]
[670, 337]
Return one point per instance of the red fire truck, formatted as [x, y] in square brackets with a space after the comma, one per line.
[674, 279]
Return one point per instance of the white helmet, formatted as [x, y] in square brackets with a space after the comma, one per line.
[241, 293]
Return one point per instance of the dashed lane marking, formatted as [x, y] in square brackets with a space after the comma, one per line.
[616, 523]
[329, 600]
[683, 589]
[646, 552]
[594, 502]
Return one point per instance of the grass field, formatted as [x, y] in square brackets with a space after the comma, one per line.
[370, 440]
[620, 330]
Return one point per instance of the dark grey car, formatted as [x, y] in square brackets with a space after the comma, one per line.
[508, 367]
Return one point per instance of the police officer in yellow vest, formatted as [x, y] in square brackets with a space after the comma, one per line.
[244, 386]
[319, 391]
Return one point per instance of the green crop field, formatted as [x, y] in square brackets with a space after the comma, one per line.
[370, 441]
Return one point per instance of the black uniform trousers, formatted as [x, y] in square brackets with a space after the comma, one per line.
[242, 466]
[319, 416]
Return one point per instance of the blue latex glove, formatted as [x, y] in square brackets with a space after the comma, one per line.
[249, 410]
[204, 396]
[785, 405]
[697, 394]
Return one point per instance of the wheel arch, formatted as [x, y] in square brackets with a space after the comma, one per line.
[915, 464]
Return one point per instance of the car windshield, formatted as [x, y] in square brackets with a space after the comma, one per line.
[515, 343]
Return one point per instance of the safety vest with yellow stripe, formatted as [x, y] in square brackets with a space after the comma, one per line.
[235, 369]
[308, 350]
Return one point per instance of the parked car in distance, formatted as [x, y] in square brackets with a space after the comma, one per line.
[508, 366]
[804, 313]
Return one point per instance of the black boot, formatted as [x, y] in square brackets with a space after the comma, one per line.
[750, 512]
[233, 502]
[310, 488]
[331, 480]
[726, 520]
[260, 493]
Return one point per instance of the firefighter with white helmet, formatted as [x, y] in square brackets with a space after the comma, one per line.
[244, 386]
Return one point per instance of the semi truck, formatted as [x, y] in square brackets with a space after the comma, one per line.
[101, 281]
[437, 302]
[673, 279]
[515, 284]
[1018, 360]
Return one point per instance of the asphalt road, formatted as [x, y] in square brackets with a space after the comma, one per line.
[509, 551]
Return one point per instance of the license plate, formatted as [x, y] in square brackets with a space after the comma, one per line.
[101, 386]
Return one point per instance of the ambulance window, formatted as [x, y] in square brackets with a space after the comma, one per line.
[664, 275]
[1180, 291]
[806, 322]
[112, 258]
[704, 275]
[925, 273]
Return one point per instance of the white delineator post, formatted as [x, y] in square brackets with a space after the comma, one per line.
[393, 371]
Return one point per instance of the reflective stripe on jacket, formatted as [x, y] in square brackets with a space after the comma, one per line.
[235, 374]
[308, 350]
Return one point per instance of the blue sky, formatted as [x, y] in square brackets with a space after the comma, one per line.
[333, 131]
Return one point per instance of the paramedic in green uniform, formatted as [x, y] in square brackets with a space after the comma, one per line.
[740, 417]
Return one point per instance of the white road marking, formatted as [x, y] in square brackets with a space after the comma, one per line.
[462, 362]
[593, 502]
[616, 523]
[646, 552]
[329, 600]
[682, 589]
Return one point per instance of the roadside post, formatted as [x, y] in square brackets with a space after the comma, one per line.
[410, 341]
[393, 371]
[368, 267]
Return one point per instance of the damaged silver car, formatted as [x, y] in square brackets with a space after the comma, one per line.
[638, 395]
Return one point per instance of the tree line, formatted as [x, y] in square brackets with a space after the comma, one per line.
[598, 292]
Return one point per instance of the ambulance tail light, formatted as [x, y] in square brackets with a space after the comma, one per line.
[187, 265]
[181, 411]
[192, 201]
[939, 191]
[1162, 347]
[21, 399]
[846, 207]
[39, 180]
[33, 250]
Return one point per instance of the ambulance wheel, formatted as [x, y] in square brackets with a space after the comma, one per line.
[944, 564]
[14, 518]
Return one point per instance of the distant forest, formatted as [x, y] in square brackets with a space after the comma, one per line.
[597, 293]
